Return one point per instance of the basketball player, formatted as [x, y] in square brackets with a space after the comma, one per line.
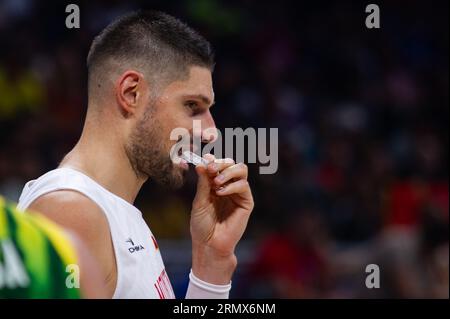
[38, 259]
[148, 73]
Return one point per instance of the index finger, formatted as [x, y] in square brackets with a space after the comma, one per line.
[219, 165]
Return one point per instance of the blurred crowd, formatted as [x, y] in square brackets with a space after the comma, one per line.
[362, 116]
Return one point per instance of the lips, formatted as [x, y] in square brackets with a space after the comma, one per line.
[191, 148]
[183, 164]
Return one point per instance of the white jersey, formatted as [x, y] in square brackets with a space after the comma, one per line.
[140, 268]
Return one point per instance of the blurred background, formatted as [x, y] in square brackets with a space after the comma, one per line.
[362, 116]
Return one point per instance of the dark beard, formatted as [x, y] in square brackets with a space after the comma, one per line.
[149, 158]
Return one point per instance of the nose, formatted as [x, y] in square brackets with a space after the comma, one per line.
[209, 130]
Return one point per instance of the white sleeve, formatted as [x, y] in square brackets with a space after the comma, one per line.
[199, 289]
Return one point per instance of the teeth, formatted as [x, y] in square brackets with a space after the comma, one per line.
[193, 158]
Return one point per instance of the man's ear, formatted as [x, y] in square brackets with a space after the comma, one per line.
[129, 91]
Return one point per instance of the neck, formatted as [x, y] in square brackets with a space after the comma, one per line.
[101, 157]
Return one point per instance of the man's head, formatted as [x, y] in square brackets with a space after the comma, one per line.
[149, 73]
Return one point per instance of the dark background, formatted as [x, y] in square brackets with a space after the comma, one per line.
[362, 116]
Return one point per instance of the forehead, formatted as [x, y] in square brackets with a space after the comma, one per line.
[198, 82]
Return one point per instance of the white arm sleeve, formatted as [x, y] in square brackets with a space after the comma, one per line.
[199, 289]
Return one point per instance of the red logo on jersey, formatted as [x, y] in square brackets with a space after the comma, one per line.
[163, 286]
[155, 243]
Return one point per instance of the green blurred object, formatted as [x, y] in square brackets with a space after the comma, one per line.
[221, 20]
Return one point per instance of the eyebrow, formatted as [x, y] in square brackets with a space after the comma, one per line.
[201, 97]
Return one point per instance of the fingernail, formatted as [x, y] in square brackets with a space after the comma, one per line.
[221, 189]
[220, 178]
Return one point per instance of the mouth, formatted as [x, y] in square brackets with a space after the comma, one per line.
[183, 164]
[191, 148]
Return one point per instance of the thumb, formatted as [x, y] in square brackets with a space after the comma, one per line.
[203, 182]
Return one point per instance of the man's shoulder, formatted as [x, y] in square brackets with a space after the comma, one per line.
[79, 214]
[69, 208]
[66, 198]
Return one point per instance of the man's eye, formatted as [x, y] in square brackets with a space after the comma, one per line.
[191, 104]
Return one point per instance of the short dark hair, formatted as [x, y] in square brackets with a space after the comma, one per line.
[151, 41]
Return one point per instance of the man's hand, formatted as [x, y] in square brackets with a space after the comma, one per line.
[219, 216]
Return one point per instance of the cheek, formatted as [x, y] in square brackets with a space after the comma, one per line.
[177, 123]
[167, 131]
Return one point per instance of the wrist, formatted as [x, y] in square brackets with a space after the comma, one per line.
[212, 267]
